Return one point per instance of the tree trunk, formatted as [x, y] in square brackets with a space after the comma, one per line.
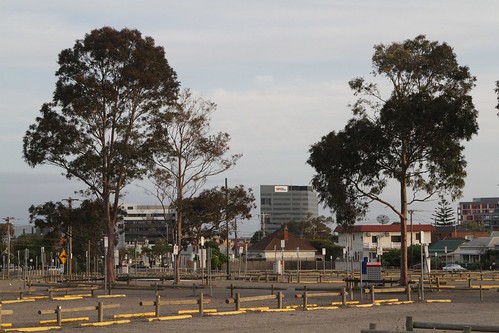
[179, 245]
[403, 233]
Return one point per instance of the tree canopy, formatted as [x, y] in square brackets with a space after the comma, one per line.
[413, 137]
[207, 214]
[444, 214]
[187, 154]
[97, 126]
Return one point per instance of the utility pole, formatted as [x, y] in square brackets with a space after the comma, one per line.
[70, 233]
[411, 211]
[227, 226]
[8, 219]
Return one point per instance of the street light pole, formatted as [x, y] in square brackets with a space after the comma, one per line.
[8, 219]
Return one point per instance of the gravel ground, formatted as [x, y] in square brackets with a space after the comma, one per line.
[465, 308]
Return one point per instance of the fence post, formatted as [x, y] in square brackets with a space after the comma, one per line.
[58, 312]
[372, 293]
[238, 302]
[279, 300]
[409, 324]
[157, 305]
[305, 300]
[409, 296]
[201, 300]
[343, 296]
[100, 312]
[469, 282]
[272, 289]
[481, 293]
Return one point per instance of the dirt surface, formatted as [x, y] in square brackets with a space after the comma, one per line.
[465, 308]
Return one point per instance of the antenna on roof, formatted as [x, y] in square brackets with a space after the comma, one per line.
[382, 219]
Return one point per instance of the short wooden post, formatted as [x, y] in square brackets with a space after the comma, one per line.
[272, 289]
[100, 312]
[372, 326]
[481, 293]
[194, 290]
[201, 300]
[408, 290]
[438, 282]
[372, 294]
[409, 324]
[92, 292]
[305, 300]
[279, 300]
[469, 282]
[58, 314]
[343, 296]
[157, 305]
[238, 302]
[466, 329]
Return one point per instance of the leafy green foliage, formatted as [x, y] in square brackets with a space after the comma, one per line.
[218, 259]
[413, 137]
[97, 128]
[207, 214]
[444, 214]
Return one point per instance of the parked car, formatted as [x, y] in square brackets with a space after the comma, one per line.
[454, 268]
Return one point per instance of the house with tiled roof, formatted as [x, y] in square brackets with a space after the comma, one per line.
[371, 240]
[281, 244]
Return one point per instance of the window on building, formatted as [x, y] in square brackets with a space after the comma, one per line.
[374, 239]
[265, 201]
[396, 239]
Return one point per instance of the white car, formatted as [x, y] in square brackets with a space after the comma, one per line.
[454, 268]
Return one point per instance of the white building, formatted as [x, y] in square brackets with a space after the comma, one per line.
[372, 240]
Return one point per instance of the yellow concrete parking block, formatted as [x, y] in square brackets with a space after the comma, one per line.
[35, 297]
[66, 298]
[5, 325]
[64, 320]
[226, 313]
[322, 308]
[300, 306]
[106, 323]
[277, 310]
[437, 301]
[168, 318]
[112, 296]
[134, 315]
[32, 329]
[361, 305]
[398, 303]
[12, 301]
[387, 300]
[347, 303]
[261, 308]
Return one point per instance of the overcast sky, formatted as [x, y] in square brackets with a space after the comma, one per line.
[278, 71]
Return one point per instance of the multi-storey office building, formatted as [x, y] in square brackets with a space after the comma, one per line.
[281, 204]
[484, 211]
[146, 224]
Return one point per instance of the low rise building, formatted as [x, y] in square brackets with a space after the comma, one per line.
[371, 241]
